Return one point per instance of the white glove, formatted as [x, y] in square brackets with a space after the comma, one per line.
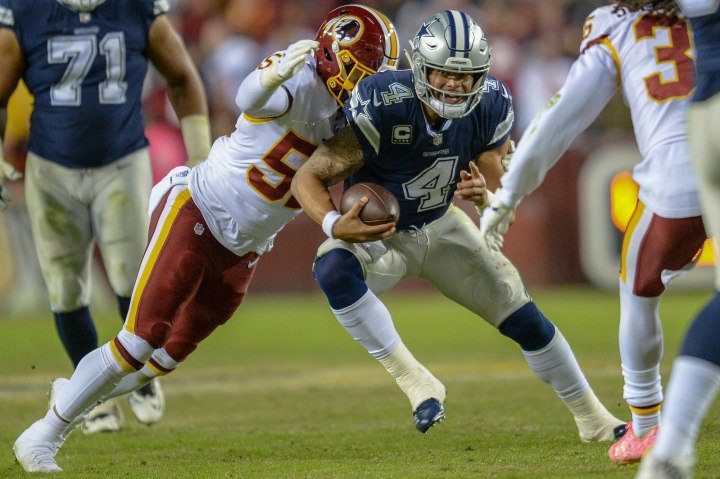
[8, 171]
[495, 222]
[292, 61]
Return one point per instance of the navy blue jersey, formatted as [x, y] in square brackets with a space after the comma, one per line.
[420, 164]
[86, 72]
[706, 35]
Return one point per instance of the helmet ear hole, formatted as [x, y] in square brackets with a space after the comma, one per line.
[327, 54]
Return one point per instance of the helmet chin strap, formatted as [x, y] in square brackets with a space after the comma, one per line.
[82, 6]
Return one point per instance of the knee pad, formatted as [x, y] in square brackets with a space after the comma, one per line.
[529, 328]
[340, 276]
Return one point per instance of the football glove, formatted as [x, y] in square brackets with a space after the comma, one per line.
[494, 223]
[292, 61]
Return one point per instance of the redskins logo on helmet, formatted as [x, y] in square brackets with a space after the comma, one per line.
[355, 41]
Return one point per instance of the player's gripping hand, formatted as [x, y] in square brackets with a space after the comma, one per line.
[289, 64]
[494, 223]
[350, 228]
[472, 187]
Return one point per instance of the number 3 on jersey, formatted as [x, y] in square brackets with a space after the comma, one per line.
[676, 53]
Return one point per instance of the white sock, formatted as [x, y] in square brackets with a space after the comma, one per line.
[138, 379]
[556, 365]
[369, 322]
[132, 382]
[693, 385]
[414, 379]
[95, 376]
[641, 349]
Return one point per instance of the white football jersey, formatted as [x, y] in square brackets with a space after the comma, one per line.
[653, 65]
[243, 188]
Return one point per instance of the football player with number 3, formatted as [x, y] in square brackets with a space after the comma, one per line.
[695, 378]
[645, 49]
[210, 224]
[424, 135]
[88, 171]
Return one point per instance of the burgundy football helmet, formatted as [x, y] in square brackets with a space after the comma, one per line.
[355, 41]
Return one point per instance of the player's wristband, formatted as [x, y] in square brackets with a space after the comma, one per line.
[329, 221]
[196, 136]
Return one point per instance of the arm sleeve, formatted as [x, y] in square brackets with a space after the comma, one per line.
[256, 101]
[591, 83]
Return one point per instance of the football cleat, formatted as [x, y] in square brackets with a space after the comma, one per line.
[35, 448]
[629, 448]
[427, 414]
[105, 417]
[148, 403]
[677, 468]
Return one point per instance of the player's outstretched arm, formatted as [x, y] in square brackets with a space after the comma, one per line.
[168, 54]
[260, 95]
[333, 161]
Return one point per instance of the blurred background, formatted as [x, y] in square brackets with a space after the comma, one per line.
[568, 231]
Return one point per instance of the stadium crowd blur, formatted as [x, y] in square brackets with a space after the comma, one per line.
[533, 44]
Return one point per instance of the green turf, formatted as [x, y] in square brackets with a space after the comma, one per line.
[282, 391]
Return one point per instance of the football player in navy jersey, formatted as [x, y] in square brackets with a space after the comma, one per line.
[695, 378]
[88, 174]
[428, 134]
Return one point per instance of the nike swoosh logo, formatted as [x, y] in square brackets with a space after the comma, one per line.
[252, 263]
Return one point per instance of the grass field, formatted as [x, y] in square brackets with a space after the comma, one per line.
[282, 391]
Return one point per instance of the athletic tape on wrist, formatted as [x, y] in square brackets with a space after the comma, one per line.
[329, 221]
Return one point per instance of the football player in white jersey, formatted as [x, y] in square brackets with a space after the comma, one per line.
[209, 225]
[695, 378]
[645, 49]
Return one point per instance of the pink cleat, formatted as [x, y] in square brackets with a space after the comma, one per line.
[630, 448]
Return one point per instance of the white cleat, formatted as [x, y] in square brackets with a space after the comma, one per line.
[35, 448]
[105, 417]
[594, 422]
[602, 428]
[148, 403]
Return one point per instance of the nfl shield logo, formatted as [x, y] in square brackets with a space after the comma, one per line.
[437, 140]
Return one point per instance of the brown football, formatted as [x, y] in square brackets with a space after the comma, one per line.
[382, 206]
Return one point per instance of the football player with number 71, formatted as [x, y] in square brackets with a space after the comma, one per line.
[209, 225]
[643, 48]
